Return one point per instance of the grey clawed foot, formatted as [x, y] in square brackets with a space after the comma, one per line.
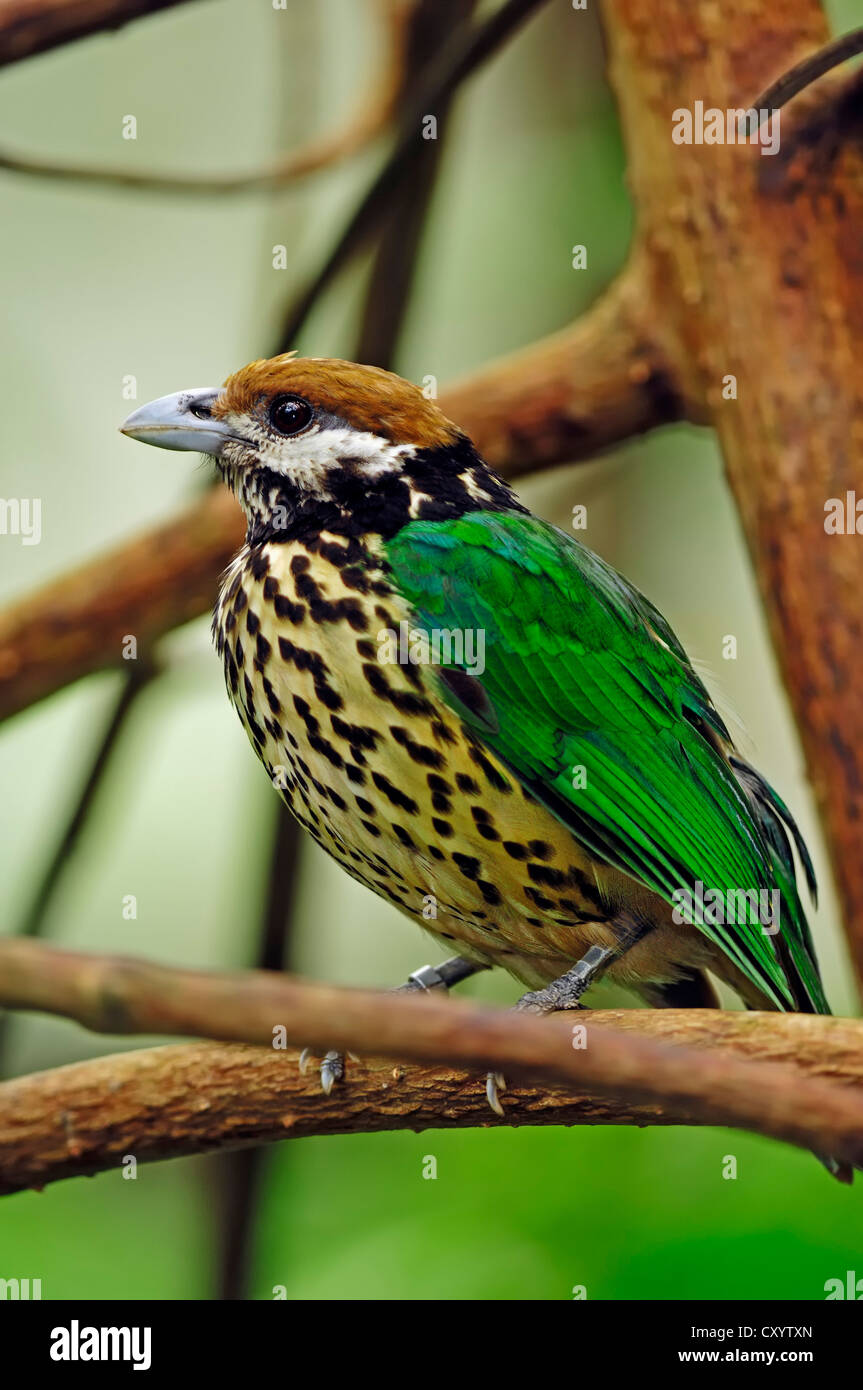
[563, 993]
[428, 977]
[332, 1068]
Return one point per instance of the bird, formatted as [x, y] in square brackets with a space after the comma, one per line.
[476, 716]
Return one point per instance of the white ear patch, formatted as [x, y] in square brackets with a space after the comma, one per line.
[306, 460]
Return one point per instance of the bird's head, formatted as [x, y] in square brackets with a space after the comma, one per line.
[307, 441]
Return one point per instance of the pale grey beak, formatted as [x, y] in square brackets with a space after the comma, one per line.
[181, 421]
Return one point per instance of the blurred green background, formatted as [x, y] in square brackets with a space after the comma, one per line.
[179, 291]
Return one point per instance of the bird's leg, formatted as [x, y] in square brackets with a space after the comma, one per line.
[428, 977]
[565, 993]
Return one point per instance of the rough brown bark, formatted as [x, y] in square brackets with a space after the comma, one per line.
[174, 1101]
[760, 265]
[28, 27]
[788, 1100]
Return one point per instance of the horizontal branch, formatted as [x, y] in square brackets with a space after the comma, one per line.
[28, 27]
[561, 399]
[788, 1077]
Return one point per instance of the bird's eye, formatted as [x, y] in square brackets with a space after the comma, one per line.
[290, 414]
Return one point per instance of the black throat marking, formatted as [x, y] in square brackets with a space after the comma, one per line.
[433, 484]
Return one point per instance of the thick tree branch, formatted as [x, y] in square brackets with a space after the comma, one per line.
[595, 383]
[28, 27]
[761, 1072]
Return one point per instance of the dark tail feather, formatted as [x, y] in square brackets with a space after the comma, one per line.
[795, 950]
[775, 819]
[777, 824]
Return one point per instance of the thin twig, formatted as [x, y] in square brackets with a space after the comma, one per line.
[807, 71]
[457, 61]
[359, 130]
[28, 27]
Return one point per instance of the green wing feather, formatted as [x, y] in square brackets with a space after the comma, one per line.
[582, 671]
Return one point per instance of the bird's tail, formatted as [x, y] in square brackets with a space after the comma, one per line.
[795, 948]
[793, 943]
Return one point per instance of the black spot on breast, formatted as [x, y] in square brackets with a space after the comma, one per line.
[492, 776]
[579, 913]
[329, 697]
[335, 553]
[515, 850]
[469, 867]
[541, 873]
[577, 878]
[361, 736]
[272, 697]
[540, 849]
[443, 827]
[392, 794]
[490, 893]
[418, 752]
[259, 564]
[253, 622]
[404, 701]
[286, 608]
[538, 899]
[354, 578]
[302, 659]
[470, 695]
[466, 784]
[326, 750]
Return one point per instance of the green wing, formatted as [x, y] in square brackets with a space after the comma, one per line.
[581, 671]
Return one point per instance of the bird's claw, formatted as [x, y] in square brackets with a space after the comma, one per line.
[495, 1082]
[332, 1068]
